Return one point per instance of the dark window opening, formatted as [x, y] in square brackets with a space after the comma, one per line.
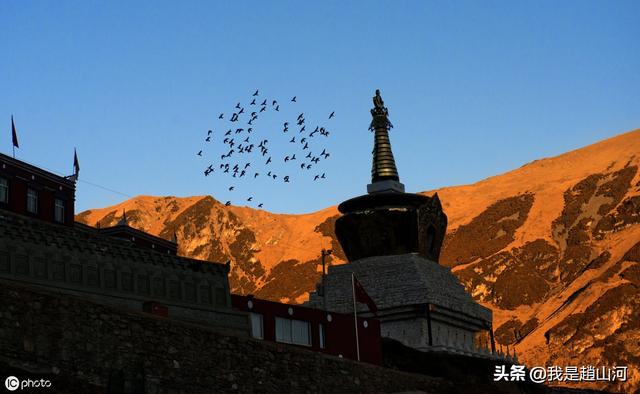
[32, 201]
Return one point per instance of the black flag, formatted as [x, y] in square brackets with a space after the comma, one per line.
[14, 135]
[76, 165]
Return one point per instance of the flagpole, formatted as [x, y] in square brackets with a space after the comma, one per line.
[355, 315]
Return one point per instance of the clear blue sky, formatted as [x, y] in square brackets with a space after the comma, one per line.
[473, 88]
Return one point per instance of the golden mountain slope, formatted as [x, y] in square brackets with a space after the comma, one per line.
[553, 248]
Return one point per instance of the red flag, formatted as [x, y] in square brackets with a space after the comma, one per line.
[14, 135]
[362, 296]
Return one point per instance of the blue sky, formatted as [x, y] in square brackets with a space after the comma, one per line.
[473, 89]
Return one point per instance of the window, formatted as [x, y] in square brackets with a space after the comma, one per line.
[58, 213]
[256, 325]
[321, 331]
[4, 190]
[32, 201]
[293, 331]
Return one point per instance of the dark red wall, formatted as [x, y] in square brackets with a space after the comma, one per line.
[49, 186]
[339, 332]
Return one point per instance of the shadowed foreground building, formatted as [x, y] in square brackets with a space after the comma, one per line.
[392, 240]
[42, 246]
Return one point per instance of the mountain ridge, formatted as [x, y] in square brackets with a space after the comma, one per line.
[552, 247]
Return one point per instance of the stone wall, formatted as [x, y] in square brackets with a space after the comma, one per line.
[79, 344]
[82, 262]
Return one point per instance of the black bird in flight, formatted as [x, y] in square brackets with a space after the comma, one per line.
[274, 102]
[268, 160]
[238, 131]
[228, 132]
[293, 157]
[226, 204]
[301, 122]
[302, 129]
[242, 173]
[306, 146]
[249, 130]
[256, 93]
[230, 188]
[263, 109]
[323, 152]
[260, 205]
[250, 198]
[238, 105]
[302, 166]
[300, 116]
[309, 155]
[274, 176]
[264, 102]
[303, 140]
[226, 170]
[253, 114]
[269, 174]
[200, 153]
[309, 167]
[250, 122]
[331, 115]
[286, 159]
[253, 102]
[322, 176]
[293, 139]
[234, 117]
[286, 178]
[247, 165]
[208, 139]
[246, 140]
[221, 116]
[315, 178]
[256, 175]
[209, 132]
[294, 99]
[278, 108]
[241, 111]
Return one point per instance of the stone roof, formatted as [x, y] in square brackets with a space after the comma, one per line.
[401, 280]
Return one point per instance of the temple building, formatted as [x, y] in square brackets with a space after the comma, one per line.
[392, 240]
[42, 246]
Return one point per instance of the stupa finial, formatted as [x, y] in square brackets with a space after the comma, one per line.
[384, 174]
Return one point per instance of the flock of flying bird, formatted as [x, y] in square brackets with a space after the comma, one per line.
[248, 156]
